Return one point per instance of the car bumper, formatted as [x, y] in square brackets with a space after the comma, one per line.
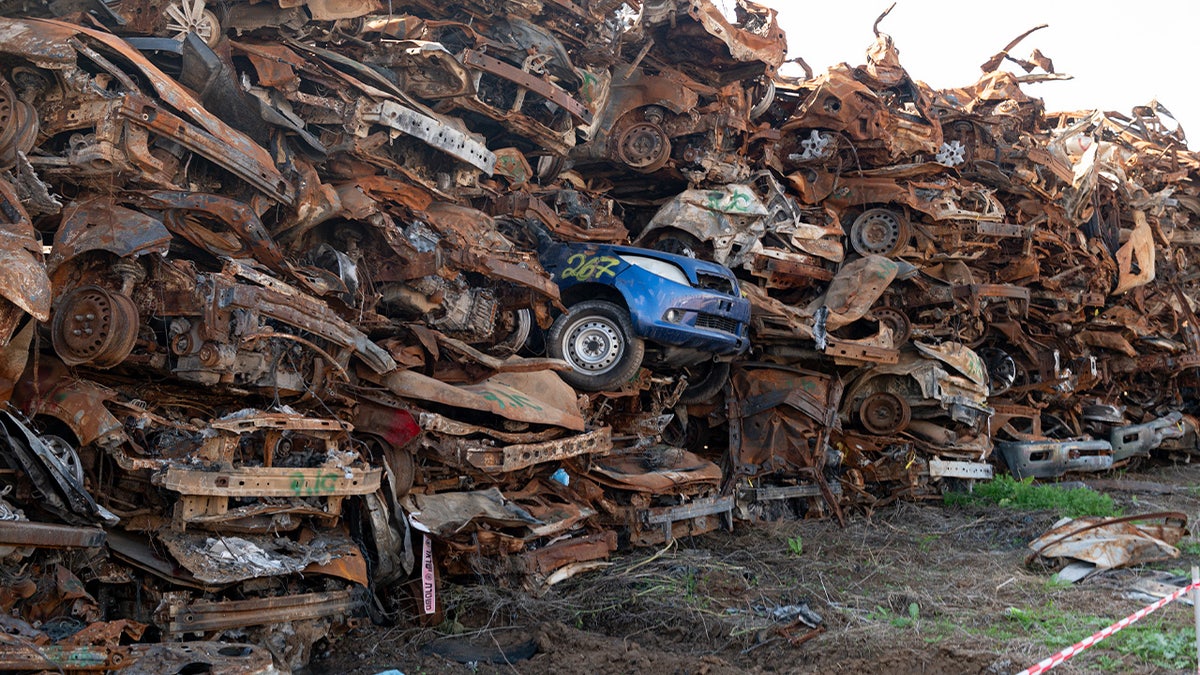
[1139, 439]
[707, 321]
[1050, 458]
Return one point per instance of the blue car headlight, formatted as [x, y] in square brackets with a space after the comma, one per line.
[658, 268]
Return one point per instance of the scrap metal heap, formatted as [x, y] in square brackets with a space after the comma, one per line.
[273, 314]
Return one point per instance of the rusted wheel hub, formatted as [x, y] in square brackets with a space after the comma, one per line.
[878, 232]
[895, 320]
[884, 413]
[94, 325]
[644, 147]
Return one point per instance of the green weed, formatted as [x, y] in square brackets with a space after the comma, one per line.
[795, 545]
[1009, 492]
[897, 621]
[1054, 583]
[936, 630]
[999, 632]
[1155, 641]
[1174, 648]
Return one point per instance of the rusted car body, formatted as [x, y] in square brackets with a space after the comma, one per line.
[272, 314]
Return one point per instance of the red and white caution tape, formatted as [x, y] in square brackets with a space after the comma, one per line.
[1083, 644]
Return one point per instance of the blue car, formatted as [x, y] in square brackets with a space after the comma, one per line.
[628, 307]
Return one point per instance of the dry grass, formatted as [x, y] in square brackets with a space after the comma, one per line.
[910, 588]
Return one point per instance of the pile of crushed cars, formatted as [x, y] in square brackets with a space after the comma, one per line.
[310, 302]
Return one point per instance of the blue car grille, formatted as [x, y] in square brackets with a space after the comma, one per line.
[715, 322]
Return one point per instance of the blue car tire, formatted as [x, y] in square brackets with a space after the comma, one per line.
[597, 339]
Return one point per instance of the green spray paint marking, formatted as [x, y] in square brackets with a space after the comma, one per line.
[583, 267]
[321, 484]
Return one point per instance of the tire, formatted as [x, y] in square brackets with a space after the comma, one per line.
[596, 338]
[705, 381]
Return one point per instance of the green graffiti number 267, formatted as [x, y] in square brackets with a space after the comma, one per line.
[583, 267]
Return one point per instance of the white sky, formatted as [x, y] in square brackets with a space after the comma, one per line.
[1121, 55]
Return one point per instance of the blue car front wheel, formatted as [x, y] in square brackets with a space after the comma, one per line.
[596, 339]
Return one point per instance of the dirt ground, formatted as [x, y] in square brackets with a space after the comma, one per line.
[914, 588]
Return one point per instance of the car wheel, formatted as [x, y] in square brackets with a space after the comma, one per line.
[705, 381]
[884, 413]
[596, 338]
[878, 232]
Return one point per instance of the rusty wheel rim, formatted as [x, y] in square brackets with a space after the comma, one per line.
[644, 147]
[884, 413]
[94, 325]
[877, 232]
[897, 321]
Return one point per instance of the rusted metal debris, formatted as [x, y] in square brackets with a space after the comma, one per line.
[277, 325]
[1089, 544]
